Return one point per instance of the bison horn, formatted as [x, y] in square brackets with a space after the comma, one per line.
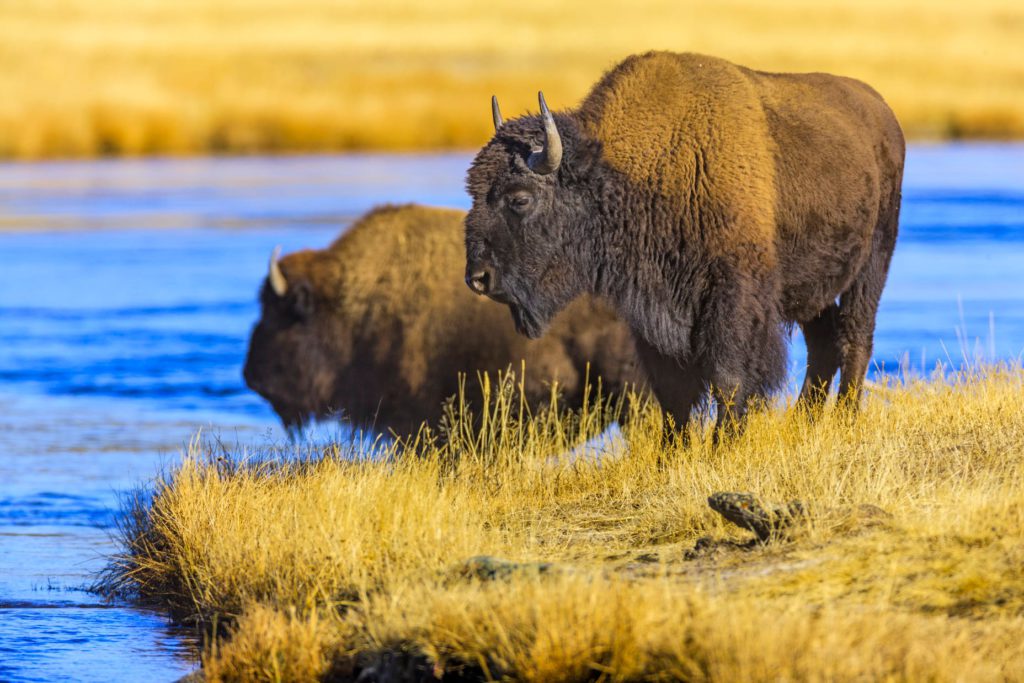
[496, 113]
[275, 276]
[547, 160]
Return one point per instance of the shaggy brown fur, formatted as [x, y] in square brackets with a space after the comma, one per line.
[378, 326]
[712, 204]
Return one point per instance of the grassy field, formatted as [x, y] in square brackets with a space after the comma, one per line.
[84, 78]
[339, 566]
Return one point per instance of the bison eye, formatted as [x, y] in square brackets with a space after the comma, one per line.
[520, 201]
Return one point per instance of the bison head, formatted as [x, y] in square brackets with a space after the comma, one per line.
[530, 188]
[293, 357]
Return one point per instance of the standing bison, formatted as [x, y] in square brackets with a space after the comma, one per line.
[712, 204]
[378, 326]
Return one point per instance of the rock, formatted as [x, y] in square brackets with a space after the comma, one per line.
[488, 568]
[773, 521]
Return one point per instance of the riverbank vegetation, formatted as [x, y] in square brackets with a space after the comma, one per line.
[85, 78]
[513, 551]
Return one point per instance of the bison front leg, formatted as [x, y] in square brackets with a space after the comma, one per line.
[732, 391]
[748, 361]
[731, 402]
[677, 386]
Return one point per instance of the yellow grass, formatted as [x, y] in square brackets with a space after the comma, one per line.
[333, 566]
[88, 77]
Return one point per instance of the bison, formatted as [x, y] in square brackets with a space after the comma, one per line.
[379, 325]
[714, 206]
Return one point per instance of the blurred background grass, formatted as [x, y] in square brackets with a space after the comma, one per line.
[130, 77]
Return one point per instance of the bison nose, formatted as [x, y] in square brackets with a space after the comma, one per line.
[480, 280]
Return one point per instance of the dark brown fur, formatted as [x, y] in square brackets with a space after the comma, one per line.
[713, 204]
[378, 326]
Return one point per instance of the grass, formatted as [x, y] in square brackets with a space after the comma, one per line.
[118, 77]
[331, 566]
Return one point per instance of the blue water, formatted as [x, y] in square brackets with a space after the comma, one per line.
[128, 289]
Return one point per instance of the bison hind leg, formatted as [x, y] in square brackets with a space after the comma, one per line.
[821, 334]
[858, 307]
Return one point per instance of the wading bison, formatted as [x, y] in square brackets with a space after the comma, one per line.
[712, 204]
[378, 326]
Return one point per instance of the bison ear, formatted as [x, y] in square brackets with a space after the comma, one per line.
[299, 299]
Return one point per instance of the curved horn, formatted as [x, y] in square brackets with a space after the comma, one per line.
[545, 161]
[275, 276]
[496, 113]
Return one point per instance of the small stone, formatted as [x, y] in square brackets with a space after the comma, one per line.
[489, 568]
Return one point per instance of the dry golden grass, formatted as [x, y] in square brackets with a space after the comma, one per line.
[82, 78]
[336, 565]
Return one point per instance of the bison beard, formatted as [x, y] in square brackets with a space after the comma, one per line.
[714, 205]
